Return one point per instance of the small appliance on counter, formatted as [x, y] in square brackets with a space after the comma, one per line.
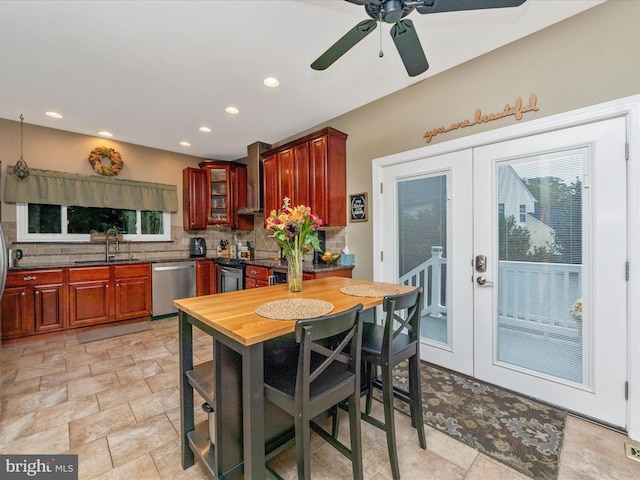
[198, 247]
[317, 255]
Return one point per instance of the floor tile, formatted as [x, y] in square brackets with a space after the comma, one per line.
[131, 442]
[86, 386]
[65, 412]
[141, 468]
[33, 371]
[115, 403]
[52, 441]
[94, 458]
[485, 468]
[68, 375]
[147, 407]
[119, 394]
[25, 403]
[99, 425]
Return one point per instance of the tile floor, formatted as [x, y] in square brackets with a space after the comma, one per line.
[115, 403]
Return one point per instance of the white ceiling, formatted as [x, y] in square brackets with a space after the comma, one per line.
[152, 72]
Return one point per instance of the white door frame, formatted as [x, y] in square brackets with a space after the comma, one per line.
[630, 107]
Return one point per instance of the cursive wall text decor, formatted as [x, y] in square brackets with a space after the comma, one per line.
[517, 110]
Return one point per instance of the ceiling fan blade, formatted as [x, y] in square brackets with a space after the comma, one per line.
[365, 2]
[343, 45]
[408, 44]
[437, 6]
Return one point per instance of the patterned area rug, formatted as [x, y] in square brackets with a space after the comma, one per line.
[524, 434]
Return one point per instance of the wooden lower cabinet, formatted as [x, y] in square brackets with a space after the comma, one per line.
[256, 276]
[132, 291]
[205, 277]
[89, 296]
[48, 300]
[34, 302]
[345, 272]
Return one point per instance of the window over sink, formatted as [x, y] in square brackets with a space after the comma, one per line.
[58, 223]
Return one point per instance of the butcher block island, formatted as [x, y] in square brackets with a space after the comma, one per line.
[247, 429]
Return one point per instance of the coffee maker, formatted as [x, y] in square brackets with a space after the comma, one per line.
[198, 247]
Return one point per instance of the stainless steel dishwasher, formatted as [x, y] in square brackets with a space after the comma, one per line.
[170, 281]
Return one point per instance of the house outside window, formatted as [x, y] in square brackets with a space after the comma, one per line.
[523, 213]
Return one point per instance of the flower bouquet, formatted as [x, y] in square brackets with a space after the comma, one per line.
[294, 229]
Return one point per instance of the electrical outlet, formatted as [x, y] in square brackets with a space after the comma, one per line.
[632, 452]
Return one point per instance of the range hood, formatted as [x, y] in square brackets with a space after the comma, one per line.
[253, 161]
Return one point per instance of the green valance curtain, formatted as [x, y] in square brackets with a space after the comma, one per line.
[70, 189]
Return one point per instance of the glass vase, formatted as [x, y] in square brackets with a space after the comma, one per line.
[294, 272]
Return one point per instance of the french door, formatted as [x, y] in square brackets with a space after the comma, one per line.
[521, 249]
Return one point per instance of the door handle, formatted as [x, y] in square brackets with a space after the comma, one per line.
[483, 282]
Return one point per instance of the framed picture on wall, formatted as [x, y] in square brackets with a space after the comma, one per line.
[358, 207]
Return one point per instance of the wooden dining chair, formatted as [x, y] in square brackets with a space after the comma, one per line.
[385, 346]
[325, 373]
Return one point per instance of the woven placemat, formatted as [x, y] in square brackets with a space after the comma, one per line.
[294, 309]
[369, 290]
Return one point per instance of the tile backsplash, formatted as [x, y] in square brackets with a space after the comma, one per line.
[44, 254]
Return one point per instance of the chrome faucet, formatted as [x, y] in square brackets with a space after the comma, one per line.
[112, 231]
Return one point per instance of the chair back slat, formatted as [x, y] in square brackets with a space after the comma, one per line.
[402, 315]
[328, 338]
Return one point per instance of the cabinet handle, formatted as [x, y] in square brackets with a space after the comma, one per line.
[22, 294]
[28, 278]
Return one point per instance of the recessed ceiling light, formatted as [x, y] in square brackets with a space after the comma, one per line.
[53, 114]
[232, 110]
[105, 134]
[271, 82]
[205, 129]
[185, 144]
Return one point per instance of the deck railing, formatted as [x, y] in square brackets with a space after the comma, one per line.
[533, 296]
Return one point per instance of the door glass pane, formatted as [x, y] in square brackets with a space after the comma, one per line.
[540, 271]
[422, 249]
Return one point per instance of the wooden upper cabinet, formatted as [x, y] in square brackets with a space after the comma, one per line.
[311, 170]
[195, 205]
[271, 191]
[212, 195]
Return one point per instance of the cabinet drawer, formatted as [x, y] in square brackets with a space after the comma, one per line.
[137, 270]
[35, 277]
[259, 273]
[88, 274]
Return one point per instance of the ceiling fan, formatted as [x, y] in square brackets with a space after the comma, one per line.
[403, 32]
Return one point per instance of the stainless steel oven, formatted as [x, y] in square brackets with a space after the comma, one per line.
[230, 278]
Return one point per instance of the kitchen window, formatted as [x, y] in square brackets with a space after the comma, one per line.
[56, 223]
[66, 207]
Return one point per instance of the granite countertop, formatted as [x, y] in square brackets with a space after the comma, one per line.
[266, 262]
[95, 263]
[278, 265]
